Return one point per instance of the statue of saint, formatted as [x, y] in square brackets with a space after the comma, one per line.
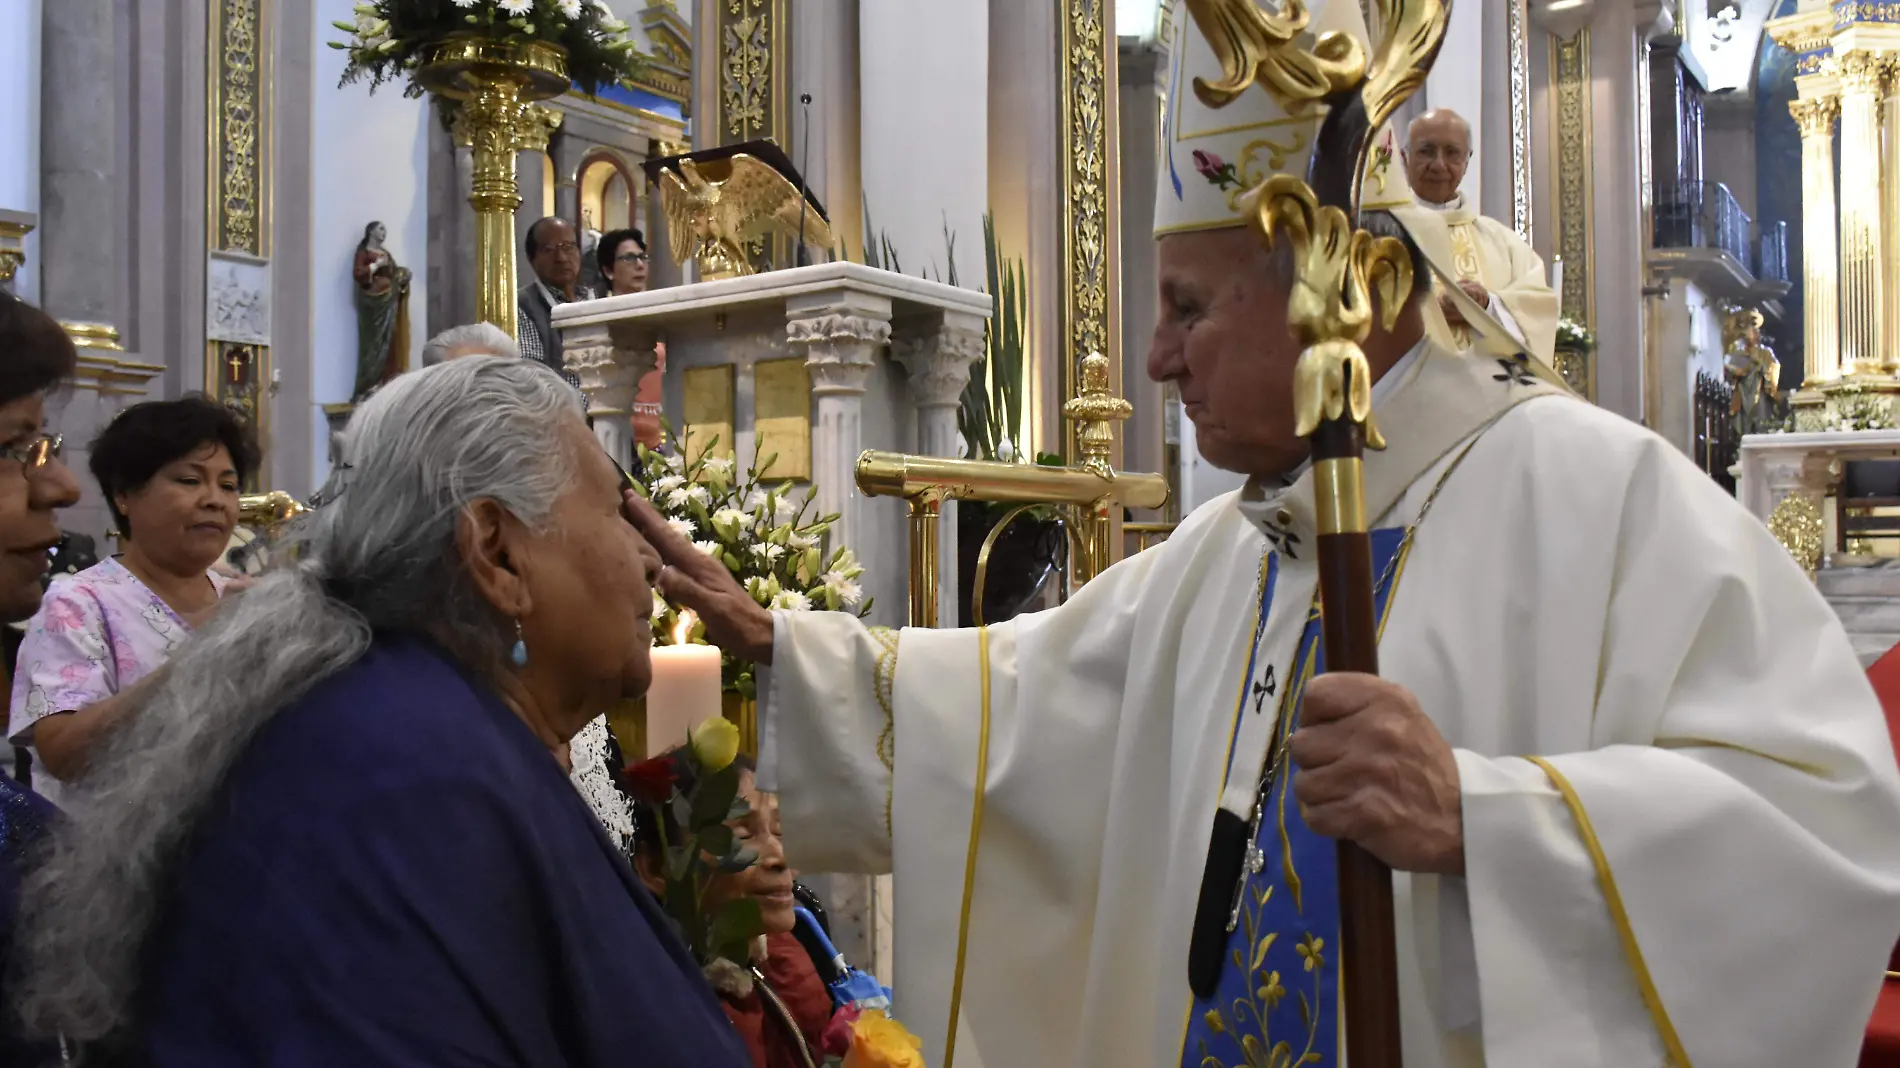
[382, 313]
[1756, 374]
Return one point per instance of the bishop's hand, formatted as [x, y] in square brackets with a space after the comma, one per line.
[1373, 769]
[691, 579]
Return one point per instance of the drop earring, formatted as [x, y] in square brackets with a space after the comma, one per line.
[519, 654]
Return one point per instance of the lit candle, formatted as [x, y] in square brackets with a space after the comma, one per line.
[685, 689]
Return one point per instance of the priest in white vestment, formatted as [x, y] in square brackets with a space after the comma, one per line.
[1639, 795]
[1488, 260]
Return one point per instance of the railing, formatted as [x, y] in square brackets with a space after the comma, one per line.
[1771, 252]
[1147, 535]
[1704, 215]
[1717, 442]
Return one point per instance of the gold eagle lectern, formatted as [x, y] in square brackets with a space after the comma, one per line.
[721, 200]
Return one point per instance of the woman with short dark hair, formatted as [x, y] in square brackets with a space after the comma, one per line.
[170, 472]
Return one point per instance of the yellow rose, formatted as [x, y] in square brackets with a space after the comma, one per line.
[877, 1041]
[715, 743]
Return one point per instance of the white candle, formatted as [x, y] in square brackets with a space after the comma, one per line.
[685, 690]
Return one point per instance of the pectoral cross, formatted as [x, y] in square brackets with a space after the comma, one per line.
[1252, 864]
[1264, 688]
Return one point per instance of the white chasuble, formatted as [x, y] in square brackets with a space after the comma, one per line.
[1681, 809]
[1478, 248]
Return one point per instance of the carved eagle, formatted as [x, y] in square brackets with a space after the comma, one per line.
[714, 209]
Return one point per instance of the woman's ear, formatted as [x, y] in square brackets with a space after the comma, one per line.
[493, 546]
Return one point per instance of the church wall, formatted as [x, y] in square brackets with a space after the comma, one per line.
[1688, 326]
[825, 138]
[1143, 447]
[1450, 85]
[20, 127]
[369, 162]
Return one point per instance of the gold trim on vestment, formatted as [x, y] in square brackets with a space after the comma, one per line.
[1675, 1056]
[976, 831]
[885, 689]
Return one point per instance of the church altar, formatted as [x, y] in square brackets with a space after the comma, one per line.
[818, 363]
[1785, 480]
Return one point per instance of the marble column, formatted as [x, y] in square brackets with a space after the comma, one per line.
[1862, 284]
[940, 365]
[841, 334]
[1816, 116]
[80, 238]
[610, 365]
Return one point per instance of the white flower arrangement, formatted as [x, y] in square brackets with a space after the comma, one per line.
[765, 534]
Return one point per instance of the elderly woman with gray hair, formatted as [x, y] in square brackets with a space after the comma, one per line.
[338, 830]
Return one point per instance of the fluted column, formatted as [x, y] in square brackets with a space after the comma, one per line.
[1863, 88]
[940, 365]
[1818, 247]
[841, 336]
[1890, 221]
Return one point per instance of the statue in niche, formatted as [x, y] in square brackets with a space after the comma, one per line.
[1754, 371]
[382, 313]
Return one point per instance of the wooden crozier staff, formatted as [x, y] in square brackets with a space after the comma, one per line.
[1337, 265]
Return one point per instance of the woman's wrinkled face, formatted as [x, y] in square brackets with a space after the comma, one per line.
[589, 579]
[768, 882]
[183, 516]
[29, 496]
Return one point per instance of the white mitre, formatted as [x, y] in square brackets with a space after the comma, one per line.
[1215, 156]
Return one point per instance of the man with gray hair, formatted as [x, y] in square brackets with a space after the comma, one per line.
[475, 339]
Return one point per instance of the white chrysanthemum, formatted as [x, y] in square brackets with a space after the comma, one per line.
[673, 463]
[667, 484]
[767, 551]
[718, 466]
[698, 493]
[708, 547]
[683, 527]
[792, 601]
[516, 8]
[464, 3]
[800, 542]
[678, 498]
[732, 519]
[849, 593]
[787, 511]
[570, 9]
[756, 500]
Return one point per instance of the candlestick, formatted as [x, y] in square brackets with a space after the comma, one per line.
[685, 690]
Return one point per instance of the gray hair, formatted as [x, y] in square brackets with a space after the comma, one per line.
[470, 339]
[379, 555]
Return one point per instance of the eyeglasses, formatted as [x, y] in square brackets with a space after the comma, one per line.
[1451, 154]
[37, 453]
[631, 257]
[562, 249]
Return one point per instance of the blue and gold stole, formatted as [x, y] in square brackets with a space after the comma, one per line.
[1277, 1003]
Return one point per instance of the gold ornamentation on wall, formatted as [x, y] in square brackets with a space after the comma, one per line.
[752, 72]
[237, 183]
[1797, 524]
[1087, 210]
[1517, 31]
[781, 417]
[709, 393]
[1570, 69]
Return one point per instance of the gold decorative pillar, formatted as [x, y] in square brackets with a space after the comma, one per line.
[238, 95]
[754, 74]
[14, 226]
[1821, 291]
[1863, 88]
[1570, 71]
[1890, 222]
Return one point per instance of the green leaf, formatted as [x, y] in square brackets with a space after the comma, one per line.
[739, 861]
[715, 795]
[736, 923]
[716, 839]
[741, 808]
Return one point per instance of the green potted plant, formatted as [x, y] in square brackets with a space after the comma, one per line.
[990, 418]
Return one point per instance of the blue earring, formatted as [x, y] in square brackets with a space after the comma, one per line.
[519, 654]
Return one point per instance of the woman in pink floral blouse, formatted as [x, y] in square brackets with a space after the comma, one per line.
[170, 472]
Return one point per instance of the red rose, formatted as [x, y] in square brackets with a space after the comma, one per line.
[837, 1038]
[650, 780]
[1209, 165]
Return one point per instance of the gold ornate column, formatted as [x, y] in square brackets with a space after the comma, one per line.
[1815, 116]
[1570, 73]
[754, 74]
[238, 95]
[1087, 183]
[1890, 221]
[1863, 88]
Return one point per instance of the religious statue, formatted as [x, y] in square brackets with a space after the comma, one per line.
[719, 201]
[1755, 372]
[382, 313]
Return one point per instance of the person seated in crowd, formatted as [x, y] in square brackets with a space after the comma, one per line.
[338, 828]
[170, 473]
[780, 1006]
[35, 356]
[475, 339]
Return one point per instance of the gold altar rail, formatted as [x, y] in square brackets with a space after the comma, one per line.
[267, 510]
[1148, 535]
[1092, 493]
